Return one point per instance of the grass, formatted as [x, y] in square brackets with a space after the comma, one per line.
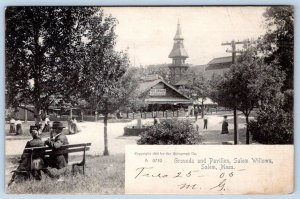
[103, 175]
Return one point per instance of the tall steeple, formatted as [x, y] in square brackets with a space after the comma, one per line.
[178, 35]
[178, 55]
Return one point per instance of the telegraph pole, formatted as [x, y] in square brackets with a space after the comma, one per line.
[234, 52]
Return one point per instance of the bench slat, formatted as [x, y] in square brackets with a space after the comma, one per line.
[29, 150]
[60, 151]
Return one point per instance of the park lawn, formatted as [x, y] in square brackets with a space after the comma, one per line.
[103, 175]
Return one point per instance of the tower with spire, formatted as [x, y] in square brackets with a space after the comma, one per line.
[178, 56]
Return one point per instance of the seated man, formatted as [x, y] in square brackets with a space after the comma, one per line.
[56, 141]
[25, 164]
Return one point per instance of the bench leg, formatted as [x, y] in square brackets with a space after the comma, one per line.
[83, 168]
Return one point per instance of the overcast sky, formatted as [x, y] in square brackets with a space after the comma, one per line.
[148, 32]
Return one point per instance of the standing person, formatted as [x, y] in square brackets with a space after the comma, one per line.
[191, 111]
[12, 126]
[47, 124]
[70, 126]
[225, 125]
[74, 125]
[196, 126]
[57, 161]
[19, 130]
[196, 113]
[187, 115]
[205, 121]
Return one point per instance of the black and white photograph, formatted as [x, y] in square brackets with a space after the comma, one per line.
[82, 83]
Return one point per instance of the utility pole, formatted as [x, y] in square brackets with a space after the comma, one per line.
[234, 52]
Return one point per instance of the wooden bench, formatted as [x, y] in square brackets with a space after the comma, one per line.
[65, 149]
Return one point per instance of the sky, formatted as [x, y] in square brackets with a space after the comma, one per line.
[147, 32]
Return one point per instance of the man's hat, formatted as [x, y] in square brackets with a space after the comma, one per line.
[57, 125]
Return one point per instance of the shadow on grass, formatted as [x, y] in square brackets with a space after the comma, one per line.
[215, 137]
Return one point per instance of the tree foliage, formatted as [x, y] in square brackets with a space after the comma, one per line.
[275, 120]
[41, 53]
[248, 82]
[196, 85]
[278, 43]
[160, 69]
[274, 123]
[105, 79]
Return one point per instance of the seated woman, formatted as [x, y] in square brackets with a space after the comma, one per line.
[24, 167]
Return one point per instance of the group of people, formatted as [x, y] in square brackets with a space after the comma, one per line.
[15, 126]
[224, 124]
[53, 166]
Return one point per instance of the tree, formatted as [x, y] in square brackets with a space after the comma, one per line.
[41, 54]
[196, 87]
[114, 91]
[274, 122]
[160, 69]
[273, 125]
[278, 42]
[105, 80]
[247, 82]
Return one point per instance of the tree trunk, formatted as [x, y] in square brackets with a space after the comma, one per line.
[105, 135]
[247, 130]
[81, 115]
[71, 114]
[202, 108]
[25, 116]
[236, 138]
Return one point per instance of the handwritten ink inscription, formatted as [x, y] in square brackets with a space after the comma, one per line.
[150, 172]
[207, 170]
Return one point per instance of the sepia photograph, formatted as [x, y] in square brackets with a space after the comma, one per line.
[82, 83]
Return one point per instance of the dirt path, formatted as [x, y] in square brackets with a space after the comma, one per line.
[212, 135]
[89, 132]
[94, 132]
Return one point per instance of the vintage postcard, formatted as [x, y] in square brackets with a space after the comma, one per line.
[149, 100]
